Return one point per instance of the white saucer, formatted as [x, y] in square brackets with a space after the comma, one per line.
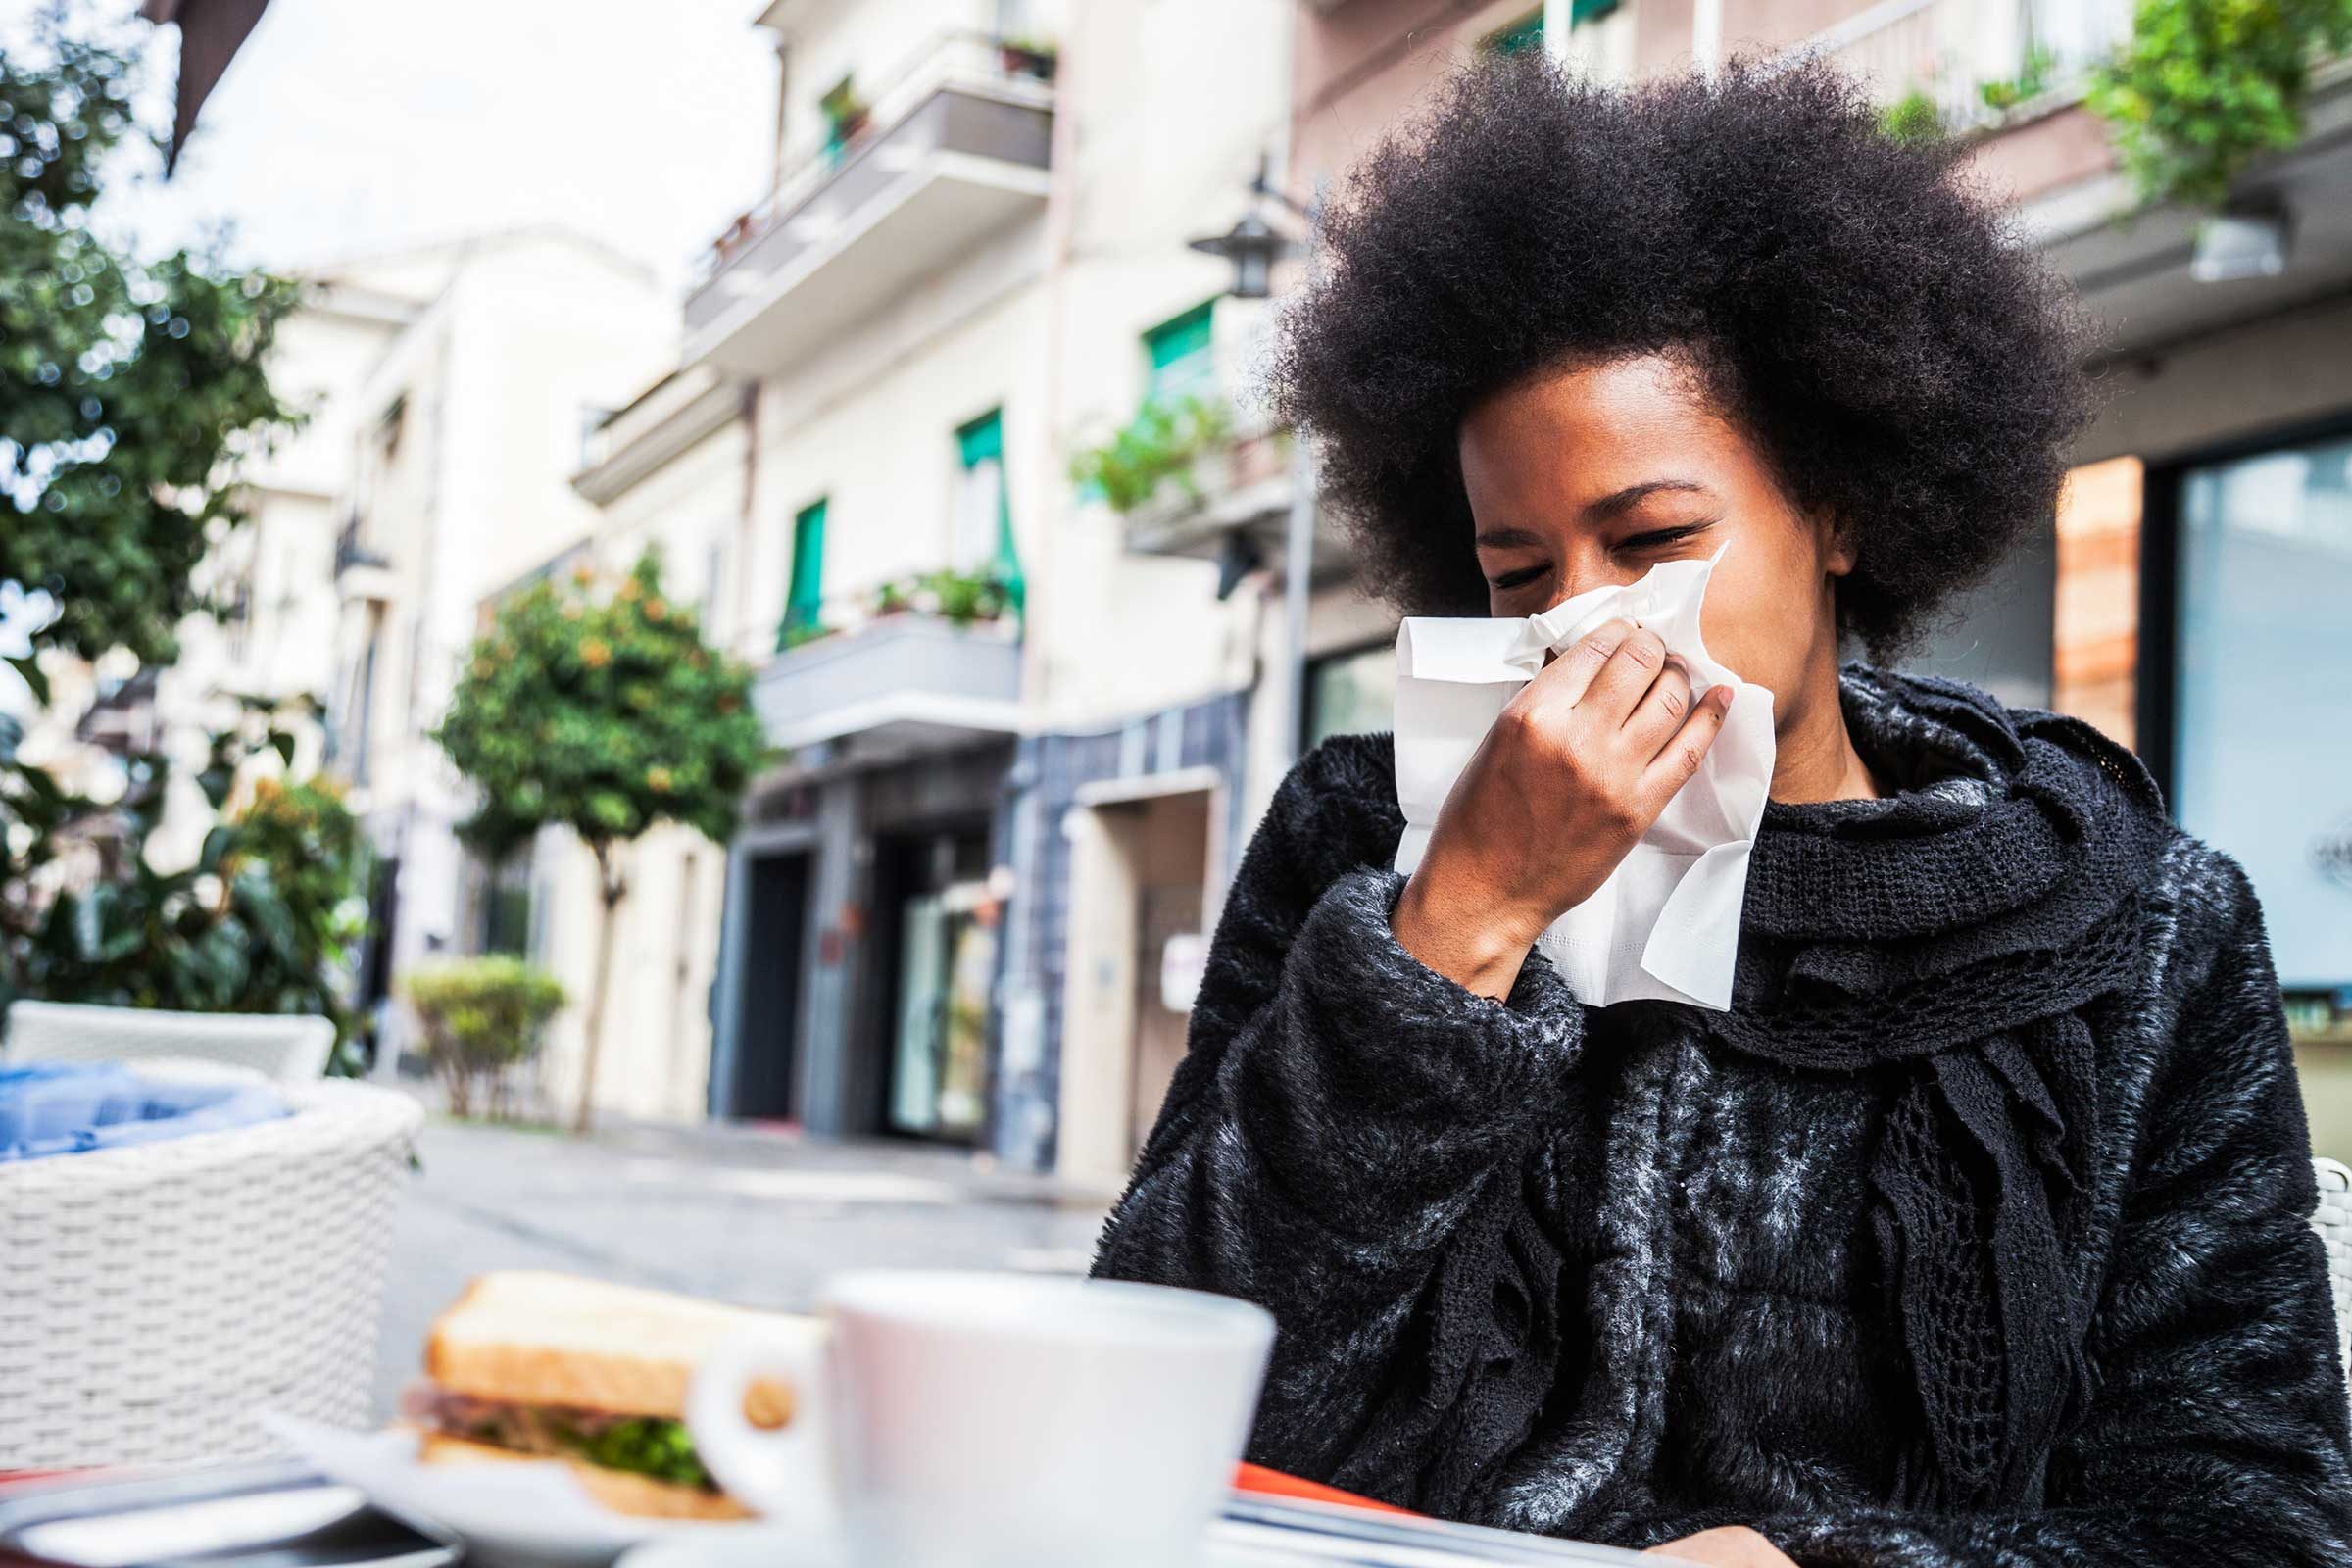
[751, 1545]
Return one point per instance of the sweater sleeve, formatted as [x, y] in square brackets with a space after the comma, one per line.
[2219, 1432]
[1345, 1144]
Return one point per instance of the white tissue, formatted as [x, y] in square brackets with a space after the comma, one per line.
[1666, 923]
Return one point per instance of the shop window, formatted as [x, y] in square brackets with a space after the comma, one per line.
[1351, 693]
[2262, 693]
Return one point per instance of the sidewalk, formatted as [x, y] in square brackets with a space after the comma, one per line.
[743, 1214]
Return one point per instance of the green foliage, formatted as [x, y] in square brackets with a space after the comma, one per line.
[481, 1017]
[123, 385]
[645, 1445]
[1912, 118]
[2033, 80]
[602, 711]
[1159, 444]
[263, 921]
[127, 391]
[958, 597]
[2207, 87]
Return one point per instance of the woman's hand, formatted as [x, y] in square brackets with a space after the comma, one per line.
[1575, 770]
[1723, 1547]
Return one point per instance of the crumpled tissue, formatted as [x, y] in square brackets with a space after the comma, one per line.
[1665, 925]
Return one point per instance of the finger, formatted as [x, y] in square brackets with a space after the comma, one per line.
[1682, 751]
[1660, 711]
[1566, 678]
[1625, 679]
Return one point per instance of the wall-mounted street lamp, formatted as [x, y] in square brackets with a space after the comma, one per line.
[1253, 246]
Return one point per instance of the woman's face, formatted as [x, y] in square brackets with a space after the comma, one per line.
[1589, 476]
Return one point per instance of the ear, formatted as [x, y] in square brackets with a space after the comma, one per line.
[1838, 552]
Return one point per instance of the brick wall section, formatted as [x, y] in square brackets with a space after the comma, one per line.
[2096, 635]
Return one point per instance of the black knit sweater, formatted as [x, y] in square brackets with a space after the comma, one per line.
[1623, 1273]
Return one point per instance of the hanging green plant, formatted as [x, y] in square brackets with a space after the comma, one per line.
[1912, 118]
[1159, 444]
[2206, 86]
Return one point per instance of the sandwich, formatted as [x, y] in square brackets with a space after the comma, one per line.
[548, 1366]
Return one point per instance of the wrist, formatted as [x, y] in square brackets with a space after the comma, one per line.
[1475, 945]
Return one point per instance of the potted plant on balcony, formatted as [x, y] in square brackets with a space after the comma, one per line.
[846, 113]
[1028, 57]
[1165, 449]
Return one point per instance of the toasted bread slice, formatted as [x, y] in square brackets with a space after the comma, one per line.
[541, 1339]
[617, 1489]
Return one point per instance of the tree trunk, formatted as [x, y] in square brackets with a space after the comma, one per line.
[612, 888]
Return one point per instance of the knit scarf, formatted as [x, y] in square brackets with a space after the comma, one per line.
[1960, 935]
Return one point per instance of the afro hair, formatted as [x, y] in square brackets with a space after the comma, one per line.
[1910, 371]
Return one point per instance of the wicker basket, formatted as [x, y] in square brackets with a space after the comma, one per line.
[155, 1299]
[2333, 1221]
[291, 1048]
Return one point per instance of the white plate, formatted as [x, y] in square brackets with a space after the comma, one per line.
[511, 1514]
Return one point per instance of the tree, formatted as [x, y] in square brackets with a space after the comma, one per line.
[128, 390]
[599, 709]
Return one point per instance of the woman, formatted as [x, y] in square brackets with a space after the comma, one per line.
[1975, 1231]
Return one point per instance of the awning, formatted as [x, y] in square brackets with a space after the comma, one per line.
[211, 32]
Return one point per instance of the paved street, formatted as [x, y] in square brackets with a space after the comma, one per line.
[742, 1214]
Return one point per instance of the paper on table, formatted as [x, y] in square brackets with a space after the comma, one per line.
[1666, 923]
[512, 1512]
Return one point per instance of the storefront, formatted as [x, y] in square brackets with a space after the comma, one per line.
[2248, 708]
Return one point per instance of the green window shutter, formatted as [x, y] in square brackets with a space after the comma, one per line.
[982, 439]
[805, 597]
[1521, 37]
[1583, 11]
[1177, 351]
[976, 443]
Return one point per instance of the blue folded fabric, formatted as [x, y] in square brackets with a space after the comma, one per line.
[76, 1107]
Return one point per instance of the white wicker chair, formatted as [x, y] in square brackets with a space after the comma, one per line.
[290, 1048]
[2333, 1220]
[154, 1300]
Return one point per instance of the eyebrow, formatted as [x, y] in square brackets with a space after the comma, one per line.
[1610, 506]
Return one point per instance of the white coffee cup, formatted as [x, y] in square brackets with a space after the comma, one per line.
[971, 1420]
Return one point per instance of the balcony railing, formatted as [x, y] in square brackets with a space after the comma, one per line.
[968, 112]
[1953, 50]
[895, 683]
[361, 573]
[1229, 475]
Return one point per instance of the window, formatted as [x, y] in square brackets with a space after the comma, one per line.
[2261, 690]
[1523, 37]
[1351, 693]
[804, 593]
[1178, 353]
[983, 523]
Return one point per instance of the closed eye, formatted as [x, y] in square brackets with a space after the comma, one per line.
[1660, 538]
[1518, 579]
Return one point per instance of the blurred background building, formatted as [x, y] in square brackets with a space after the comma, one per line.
[954, 434]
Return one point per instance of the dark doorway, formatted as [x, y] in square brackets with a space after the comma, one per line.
[767, 1038]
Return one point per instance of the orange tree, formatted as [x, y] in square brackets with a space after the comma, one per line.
[598, 706]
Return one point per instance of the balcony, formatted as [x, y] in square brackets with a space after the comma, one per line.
[1978, 64]
[362, 575]
[952, 150]
[1225, 481]
[2033, 140]
[898, 685]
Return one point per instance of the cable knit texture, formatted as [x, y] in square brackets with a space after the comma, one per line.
[1973, 1234]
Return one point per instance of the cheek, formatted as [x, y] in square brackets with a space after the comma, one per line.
[1760, 632]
